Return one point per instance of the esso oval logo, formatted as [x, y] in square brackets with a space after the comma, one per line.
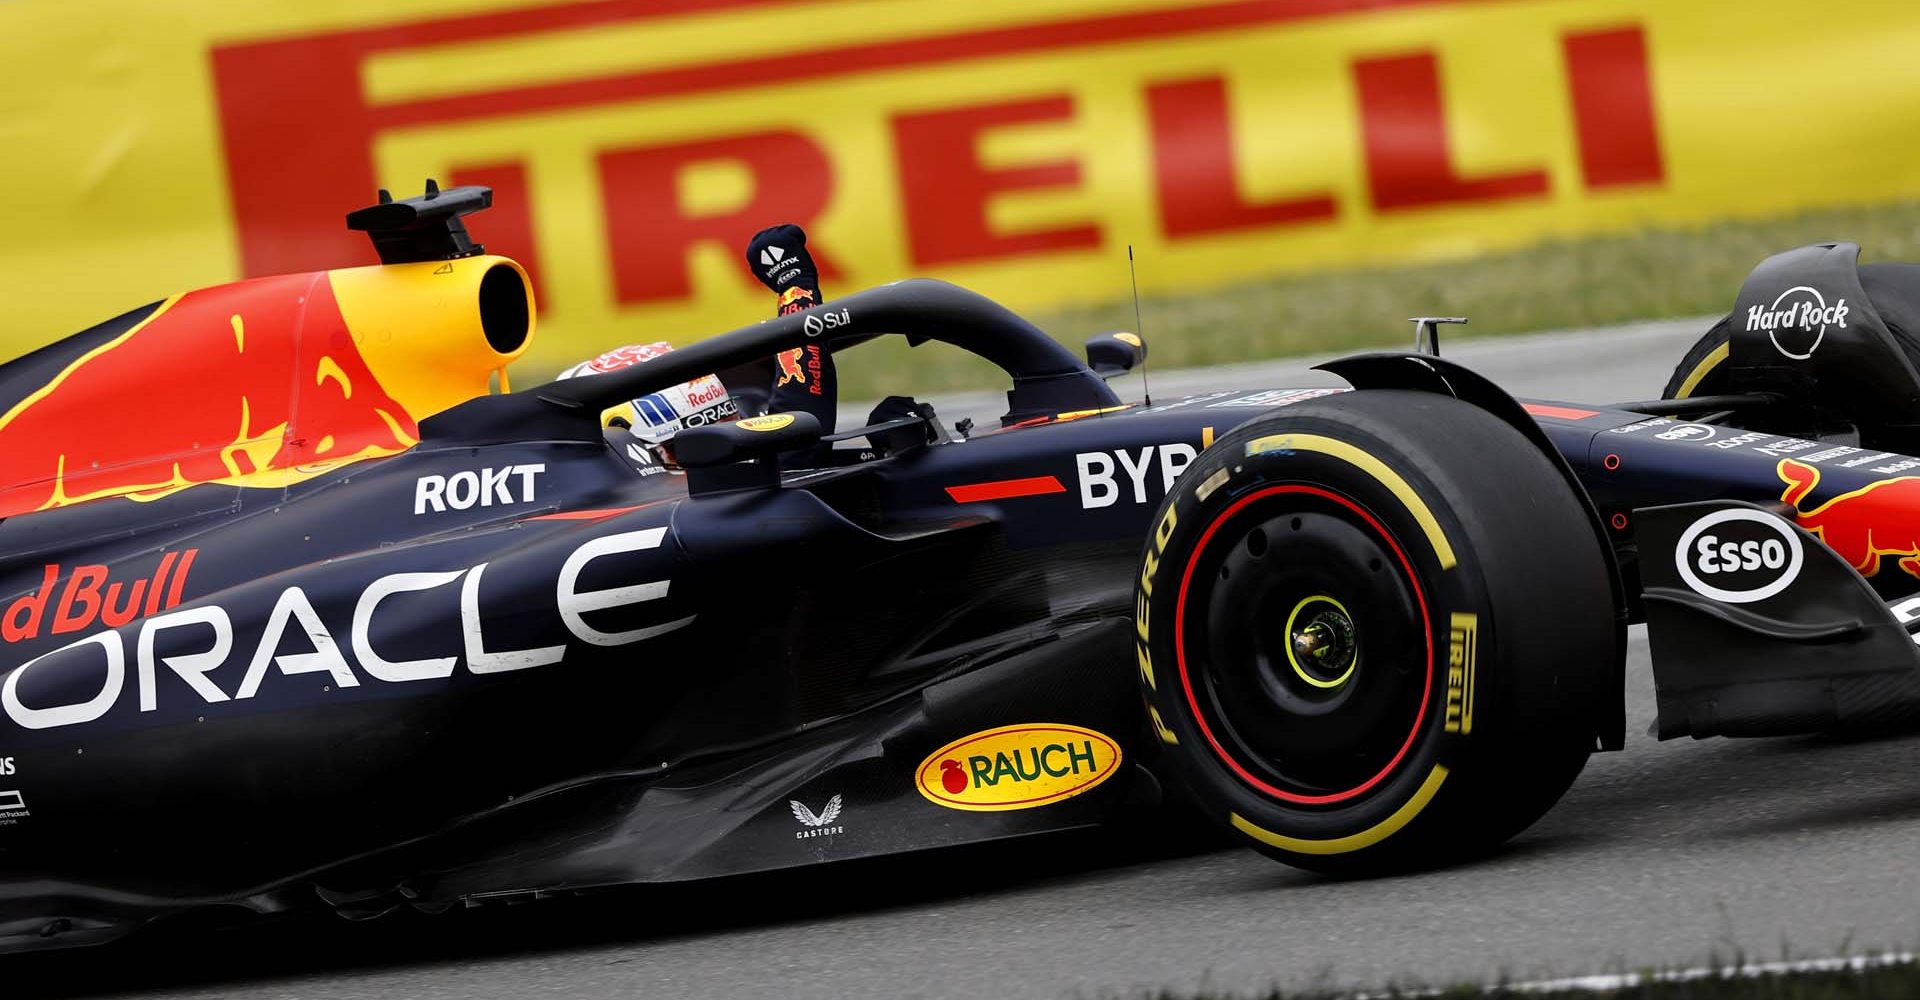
[1739, 556]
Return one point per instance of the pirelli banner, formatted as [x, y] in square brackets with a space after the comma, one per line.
[1015, 146]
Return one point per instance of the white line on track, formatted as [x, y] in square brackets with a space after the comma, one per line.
[1615, 982]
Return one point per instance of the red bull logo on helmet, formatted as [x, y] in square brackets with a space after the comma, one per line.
[227, 384]
[659, 415]
[705, 391]
[697, 403]
[1864, 526]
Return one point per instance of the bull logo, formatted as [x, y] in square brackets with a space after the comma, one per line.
[214, 386]
[790, 370]
[795, 299]
[1875, 521]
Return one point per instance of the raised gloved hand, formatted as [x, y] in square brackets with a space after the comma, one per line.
[804, 378]
[779, 258]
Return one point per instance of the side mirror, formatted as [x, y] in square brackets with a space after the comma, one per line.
[744, 454]
[1111, 354]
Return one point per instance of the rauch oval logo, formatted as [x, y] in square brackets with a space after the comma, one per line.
[1017, 767]
[1739, 556]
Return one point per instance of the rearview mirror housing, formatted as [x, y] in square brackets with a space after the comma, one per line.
[1111, 354]
[742, 454]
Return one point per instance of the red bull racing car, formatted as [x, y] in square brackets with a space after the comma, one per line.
[335, 625]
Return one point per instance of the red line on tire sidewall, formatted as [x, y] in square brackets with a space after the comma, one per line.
[1180, 646]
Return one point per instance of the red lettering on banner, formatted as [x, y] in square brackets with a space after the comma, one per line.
[1613, 108]
[945, 187]
[650, 232]
[299, 131]
[299, 128]
[1193, 166]
[299, 147]
[1405, 132]
[509, 223]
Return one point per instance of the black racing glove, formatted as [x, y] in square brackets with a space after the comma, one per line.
[803, 378]
[779, 258]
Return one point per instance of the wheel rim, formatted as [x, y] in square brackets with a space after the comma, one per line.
[1310, 644]
[1322, 645]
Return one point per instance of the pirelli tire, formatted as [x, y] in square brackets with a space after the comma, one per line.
[1373, 630]
[1704, 371]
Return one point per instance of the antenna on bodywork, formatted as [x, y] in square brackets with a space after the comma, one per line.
[1426, 332]
[1146, 391]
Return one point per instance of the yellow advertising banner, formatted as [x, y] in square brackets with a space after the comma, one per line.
[1015, 146]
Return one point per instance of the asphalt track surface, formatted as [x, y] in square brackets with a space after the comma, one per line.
[1665, 854]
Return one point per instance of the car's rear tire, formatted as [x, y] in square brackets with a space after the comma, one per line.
[1703, 370]
[1373, 632]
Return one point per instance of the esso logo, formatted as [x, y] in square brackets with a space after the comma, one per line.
[1739, 556]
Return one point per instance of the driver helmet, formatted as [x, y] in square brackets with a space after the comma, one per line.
[656, 417]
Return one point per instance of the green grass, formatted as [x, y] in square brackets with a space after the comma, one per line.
[1649, 275]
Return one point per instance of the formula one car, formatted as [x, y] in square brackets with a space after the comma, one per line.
[327, 622]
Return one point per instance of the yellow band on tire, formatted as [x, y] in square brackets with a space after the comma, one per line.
[1429, 525]
[1703, 369]
[1345, 845]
